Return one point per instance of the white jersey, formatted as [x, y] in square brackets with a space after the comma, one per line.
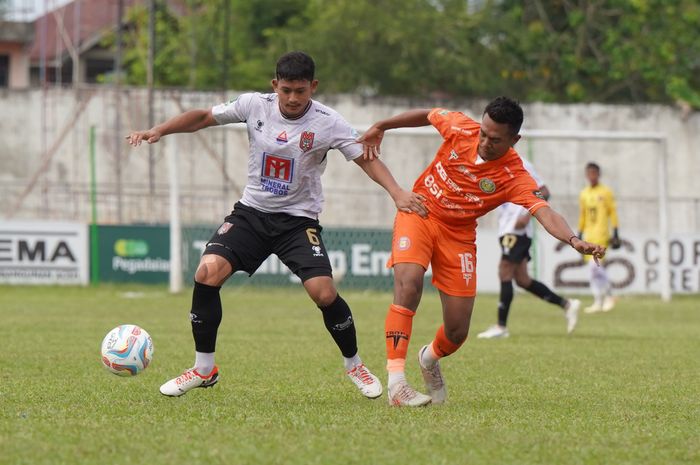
[287, 156]
[508, 213]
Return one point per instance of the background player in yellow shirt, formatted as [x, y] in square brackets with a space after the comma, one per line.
[597, 215]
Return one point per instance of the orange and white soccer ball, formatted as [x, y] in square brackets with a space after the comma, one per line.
[127, 350]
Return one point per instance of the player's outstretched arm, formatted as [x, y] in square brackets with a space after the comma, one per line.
[406, 201]
[556, 225]
[372, 139]
[189, 121]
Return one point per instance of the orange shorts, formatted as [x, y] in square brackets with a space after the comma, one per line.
[450, 251]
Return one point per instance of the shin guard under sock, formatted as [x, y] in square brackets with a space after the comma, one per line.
[338, 320]
[205, 316]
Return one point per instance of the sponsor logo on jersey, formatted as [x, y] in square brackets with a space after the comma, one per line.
[277, 174]
[463, 131]
[324, 113]
[539, 194]
[473, 198]
[404, 243]
[306, 141]
[486, 185]
[463, 169]
[282, 138]
[224, 228]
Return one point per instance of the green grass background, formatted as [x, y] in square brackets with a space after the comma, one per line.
[625, 388]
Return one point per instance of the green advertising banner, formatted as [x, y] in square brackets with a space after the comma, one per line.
[141, 254]
[358, 257]
[133, 253]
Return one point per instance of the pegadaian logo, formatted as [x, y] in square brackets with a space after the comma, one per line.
[131, 248]
[487, 186]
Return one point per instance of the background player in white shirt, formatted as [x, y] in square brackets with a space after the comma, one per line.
[515, 236]
[290, 136]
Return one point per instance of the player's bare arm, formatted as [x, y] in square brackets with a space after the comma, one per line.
[189, 121]
[406, 201]
[557, 226]
[372, 139]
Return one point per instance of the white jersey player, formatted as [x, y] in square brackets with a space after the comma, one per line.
[515, 238]
[290, 136]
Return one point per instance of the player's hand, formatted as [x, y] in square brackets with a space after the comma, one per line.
[135, 138]
[371, 143]
[410, 202]
[587, 248]
[615, 243]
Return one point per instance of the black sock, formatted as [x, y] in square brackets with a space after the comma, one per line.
[338, 320]
[545, 293]
[504, 301]
[205, 316]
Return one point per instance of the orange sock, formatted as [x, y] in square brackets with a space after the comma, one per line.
[398, 325]
[441, 346]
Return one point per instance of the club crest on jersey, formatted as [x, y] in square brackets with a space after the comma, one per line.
[404, 243]
[282, 138]
[306, 141]
[486, 185]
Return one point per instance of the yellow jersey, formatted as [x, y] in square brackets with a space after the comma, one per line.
[597, 214]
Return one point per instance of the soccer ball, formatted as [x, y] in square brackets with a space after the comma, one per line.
[127, 350]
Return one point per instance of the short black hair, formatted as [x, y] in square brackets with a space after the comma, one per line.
[295, 66]
[505, 110]
[591, 165]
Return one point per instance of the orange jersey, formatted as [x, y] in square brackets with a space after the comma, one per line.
[460, 187]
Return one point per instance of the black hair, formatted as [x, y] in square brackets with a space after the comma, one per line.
[591, 165]
[295, 66]
[505, 110]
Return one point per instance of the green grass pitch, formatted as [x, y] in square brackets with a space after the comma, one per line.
[624, 389]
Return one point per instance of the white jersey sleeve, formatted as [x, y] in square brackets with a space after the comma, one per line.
[508, 213]
[533, 172]
[344, 139]
[235, 111]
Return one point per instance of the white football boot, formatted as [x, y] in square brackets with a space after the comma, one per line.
[189, 380]
[402, 394]
[608, 303]
[434, 382]
[494, 332]
[571, 315]
[368, 384]
[594, 308]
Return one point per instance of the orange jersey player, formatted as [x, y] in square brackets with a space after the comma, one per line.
[474, 171]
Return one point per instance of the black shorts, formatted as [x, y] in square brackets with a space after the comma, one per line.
[248, 236]
[515, 248]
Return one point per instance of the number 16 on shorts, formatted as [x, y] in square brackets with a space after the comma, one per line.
[467, 263]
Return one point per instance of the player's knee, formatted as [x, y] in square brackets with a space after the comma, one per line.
[457, 335]
[408, 292]
[523, 281]
[212, 270]
[321, 290]
[324, 297]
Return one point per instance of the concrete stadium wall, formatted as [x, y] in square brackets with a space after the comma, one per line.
[37, 122]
